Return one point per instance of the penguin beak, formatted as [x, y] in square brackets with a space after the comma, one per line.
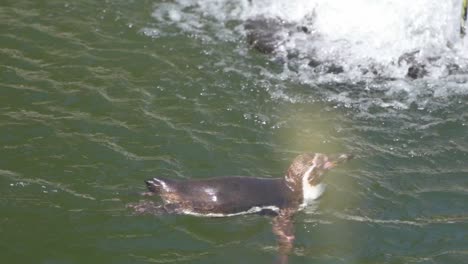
[333, 161]
[329, 163]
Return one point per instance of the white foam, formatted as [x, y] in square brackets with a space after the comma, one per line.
[385, 29]
[360, 29]
[358, 35]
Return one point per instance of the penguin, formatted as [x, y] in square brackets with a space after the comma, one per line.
[228, 196]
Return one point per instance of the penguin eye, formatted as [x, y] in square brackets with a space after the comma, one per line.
[321, 162]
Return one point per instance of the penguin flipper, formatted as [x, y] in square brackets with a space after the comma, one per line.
[283, 228]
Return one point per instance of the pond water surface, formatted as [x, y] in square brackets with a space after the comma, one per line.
[97, 96]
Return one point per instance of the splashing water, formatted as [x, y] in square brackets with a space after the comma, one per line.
[362, 41]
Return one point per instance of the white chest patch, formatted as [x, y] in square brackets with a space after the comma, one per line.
[310, 193]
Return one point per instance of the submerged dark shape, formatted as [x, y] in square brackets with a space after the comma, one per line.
[416, 69]
[267, 34]
[236, 195]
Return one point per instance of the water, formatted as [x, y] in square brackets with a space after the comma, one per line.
[95, 97]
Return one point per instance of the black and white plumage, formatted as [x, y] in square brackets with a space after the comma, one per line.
[236, 195]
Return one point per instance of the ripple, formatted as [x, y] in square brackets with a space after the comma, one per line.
[110, 144]
[172, 257]
[417, 222]
[59, 186]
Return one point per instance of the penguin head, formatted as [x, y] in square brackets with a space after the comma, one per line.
[310, 168]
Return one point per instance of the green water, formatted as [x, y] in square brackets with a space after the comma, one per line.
[90, 107]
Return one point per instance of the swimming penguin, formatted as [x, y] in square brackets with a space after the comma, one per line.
[236, 195]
